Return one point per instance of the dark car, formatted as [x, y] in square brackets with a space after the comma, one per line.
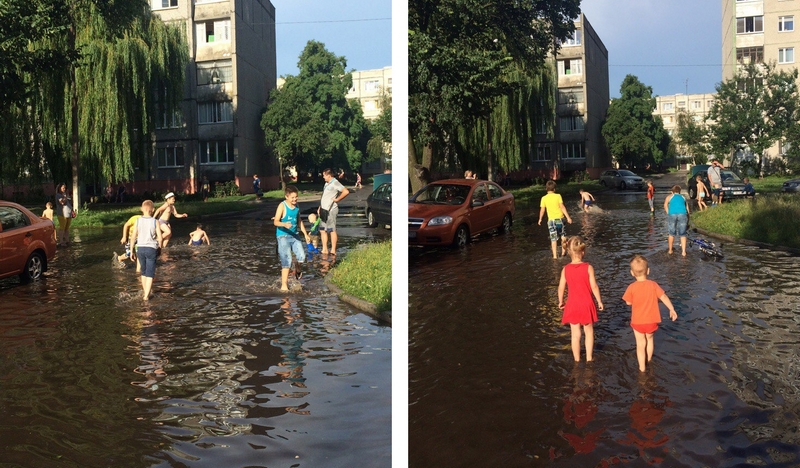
[732, 184]
[379, 206]
[621, 179]
[791, 186]
[27, 242]
[453, 211]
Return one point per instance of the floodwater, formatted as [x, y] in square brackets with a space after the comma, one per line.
[220, 369]
[492, 381]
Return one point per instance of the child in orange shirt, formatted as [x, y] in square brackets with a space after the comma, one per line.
[651, 193]
[643, 295]
[579, 311]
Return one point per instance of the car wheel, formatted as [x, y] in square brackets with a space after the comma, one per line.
[34, 267]
[461, 238]
[506, 226]
[371, 219]
[622, 185]
[603, 183]
[692, 192]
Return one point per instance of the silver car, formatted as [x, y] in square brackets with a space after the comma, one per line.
[621, 179]
[791, 186]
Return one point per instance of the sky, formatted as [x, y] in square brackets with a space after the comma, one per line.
[359, 30]
[673, 46]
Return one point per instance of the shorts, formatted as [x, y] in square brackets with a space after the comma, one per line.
[197, 242]
[587, 202]
[676, 224]
[645, 328]
[128, 249]
[330, 224]
[716, 191]
[557, 229]
[147, 260]
[701, 195]
[287, 245]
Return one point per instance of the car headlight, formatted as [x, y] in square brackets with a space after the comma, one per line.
[440, 221]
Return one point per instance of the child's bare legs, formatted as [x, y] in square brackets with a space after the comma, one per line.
[554, 248]
[284, 279]
[166, 233]
[683, 246]
[644, 348]
[575, 330]
[670, 241]
[588, 330]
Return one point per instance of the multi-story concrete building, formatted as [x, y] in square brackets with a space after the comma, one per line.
[582, 102]
[373, 89]
[759, 31]
[668, 108]
[216, 133]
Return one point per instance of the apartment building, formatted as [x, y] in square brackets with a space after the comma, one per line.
[216, 133]
[371, 88]
[582, 102]
[759, 31]
[668, 107]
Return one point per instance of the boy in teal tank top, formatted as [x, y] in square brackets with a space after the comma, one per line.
[287, 222]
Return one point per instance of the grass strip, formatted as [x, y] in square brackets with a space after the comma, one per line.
[366, 273]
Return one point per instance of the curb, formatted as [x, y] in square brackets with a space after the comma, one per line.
[749, 242]
[361, 304]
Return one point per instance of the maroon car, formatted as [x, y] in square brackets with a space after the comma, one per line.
[452, 211]
[27, 242]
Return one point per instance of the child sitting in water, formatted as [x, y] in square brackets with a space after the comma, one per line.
[313, 233]
[198, 236]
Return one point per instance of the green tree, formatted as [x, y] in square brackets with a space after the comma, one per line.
[460, 55]
[754, 110]
[634, 136]
[692, 137]
[310, 121]
[380, 130]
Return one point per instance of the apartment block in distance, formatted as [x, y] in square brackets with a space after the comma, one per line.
[668, 107]
[759, 31]
[216, 133]
[371, 87]
[582, 102]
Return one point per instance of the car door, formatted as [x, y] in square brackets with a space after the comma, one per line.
[481, 210]
[15, 236]
[498, 204]
[384, 208]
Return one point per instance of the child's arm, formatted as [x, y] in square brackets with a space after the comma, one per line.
[672, 314]
[205, 237]
[666, 204]
[278, 215]
[134, 238]
[175, 212]
[595, 288]
[303, 228]
[592, 196]
[562, 285]
[158, 236]
[564, 210]
[541, 214]
[125, 230]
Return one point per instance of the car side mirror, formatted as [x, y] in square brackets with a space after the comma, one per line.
[476, 203]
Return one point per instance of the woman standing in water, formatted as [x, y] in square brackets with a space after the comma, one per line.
[65, 214]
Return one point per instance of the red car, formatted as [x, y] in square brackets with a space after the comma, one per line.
[27, 242]
[453, 211]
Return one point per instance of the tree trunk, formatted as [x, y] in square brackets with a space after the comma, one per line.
[76, 191]
[489, 156]
[419, 173]
[280, 169]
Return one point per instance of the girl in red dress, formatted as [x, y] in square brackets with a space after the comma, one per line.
[579, 311]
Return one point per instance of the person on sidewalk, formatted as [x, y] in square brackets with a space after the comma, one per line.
[333, 193]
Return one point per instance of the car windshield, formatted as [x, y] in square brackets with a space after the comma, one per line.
[627, 174]
[730, 176]
[442, 194]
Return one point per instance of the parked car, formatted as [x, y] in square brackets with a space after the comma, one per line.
[379, 206]
[453, 211]
[732, 184]
[792, 185]
[621, 179]
[27, 242]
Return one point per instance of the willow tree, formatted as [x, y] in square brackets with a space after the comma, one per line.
[504, 139]
[94, 118]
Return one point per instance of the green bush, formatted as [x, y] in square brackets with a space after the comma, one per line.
[366, 273]
[228, 189]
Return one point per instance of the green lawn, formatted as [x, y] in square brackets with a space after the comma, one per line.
[529, 197]
[366, 273]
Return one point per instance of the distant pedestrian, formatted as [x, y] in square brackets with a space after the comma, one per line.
[146, 241]
[651, 194]
[715, 178]
[198, 236]
[702, 191]
[205, 188]
[468, 174]
[677, 208]
[749, 190]
[643, 296]
[553, 204]
[358, 180]
[65, 213]
[110, 193]
[577, 278]
[121, 194]
[333, 193]
[257, 186]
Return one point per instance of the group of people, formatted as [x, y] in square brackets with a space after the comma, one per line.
[64, 212]
[578, 278]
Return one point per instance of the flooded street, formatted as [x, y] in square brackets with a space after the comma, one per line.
[220, 369]
[492, 381]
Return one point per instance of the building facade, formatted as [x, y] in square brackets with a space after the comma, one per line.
[216, 133]
[574, 142]
[373, 89]
[697, 106]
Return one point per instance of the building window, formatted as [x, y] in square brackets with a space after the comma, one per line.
[697, 104]
[216, 152]
[541, 125]
[370, 105]
[710, 103]
[571, 123]
[681, 103]
[372, 85]
[750, 24]
[542, 153]
[170, 157]
[570, 67]
[213, 31]
[670, 119]
[209, 73]
[785, 23]
[668, 106]
[573, 40]
[161, 4]
[750, 55]
[165, 119]
[571, 150]
[786, 55]
[570, 96]
[214, 112]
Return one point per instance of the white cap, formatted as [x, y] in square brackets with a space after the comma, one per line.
[169, 195]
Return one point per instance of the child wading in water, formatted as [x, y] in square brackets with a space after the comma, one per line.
[287, 221]
[147, 237]
[587, 199]
[198, 236]
[579, 311]
[643, 295]
[553, 205]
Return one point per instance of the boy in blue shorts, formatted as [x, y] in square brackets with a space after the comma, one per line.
[553, 204]
[287, 222]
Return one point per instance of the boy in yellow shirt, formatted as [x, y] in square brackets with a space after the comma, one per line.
[553, 204]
